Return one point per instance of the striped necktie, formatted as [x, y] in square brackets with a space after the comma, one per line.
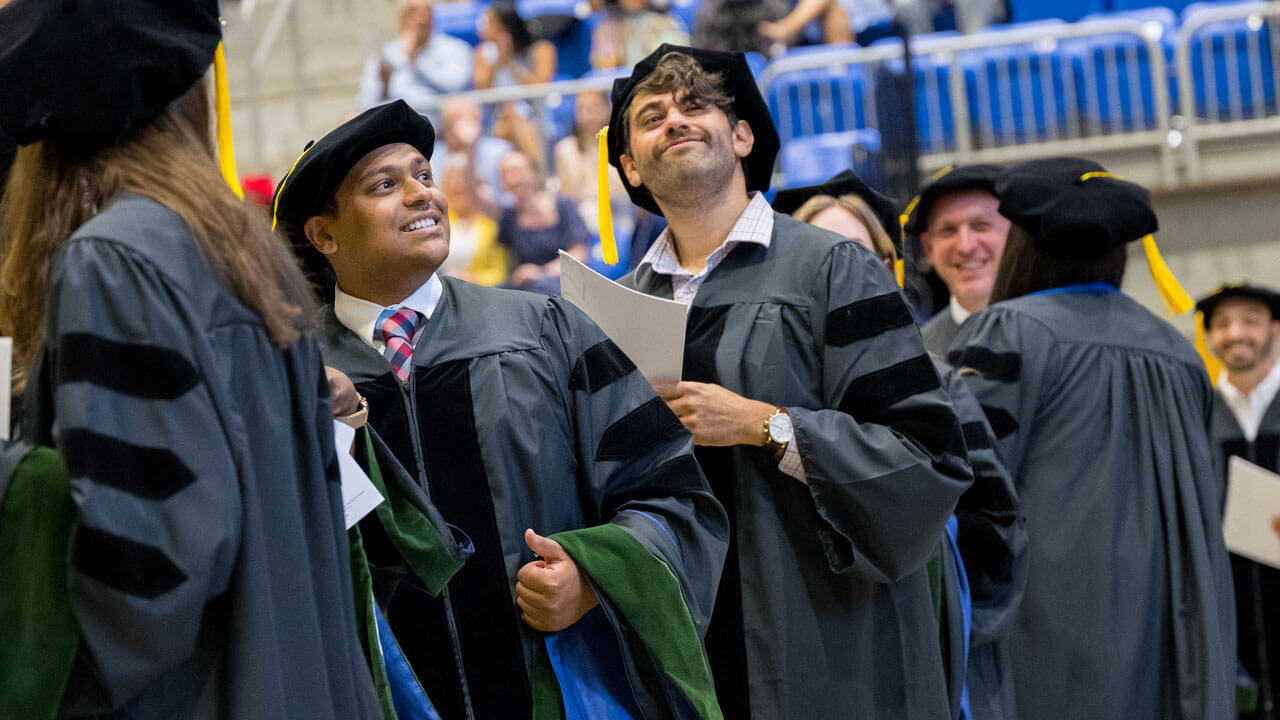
[396, 328]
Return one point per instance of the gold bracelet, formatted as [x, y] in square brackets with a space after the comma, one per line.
[358, 418]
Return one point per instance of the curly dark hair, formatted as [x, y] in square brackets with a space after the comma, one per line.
[677, 72]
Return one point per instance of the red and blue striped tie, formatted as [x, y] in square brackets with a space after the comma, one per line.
[396, 328]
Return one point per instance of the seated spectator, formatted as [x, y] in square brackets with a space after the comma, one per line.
[576, 167]
[734, 25]
[849, 216]
[474, 252]
[843, 21]
[418, 65]
[630, 30]
[462, 134]
[508, 55]
[537, 227]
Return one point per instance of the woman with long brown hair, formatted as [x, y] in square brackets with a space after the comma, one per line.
[164, 346]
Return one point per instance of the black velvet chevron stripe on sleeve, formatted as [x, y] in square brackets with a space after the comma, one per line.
[1002, 421]
[975, 436]
[1001, 367]
[877, 390]
[866, 318]
[126, 565]
[639, 431]
[144, 371]
[678, 476]
[598, 366]
[146, 472]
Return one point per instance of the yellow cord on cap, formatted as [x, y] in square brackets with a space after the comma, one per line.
[1211, 363]
[226, 147]
[900, 271]
[275, 204]
[604, 212]
[1170, 289]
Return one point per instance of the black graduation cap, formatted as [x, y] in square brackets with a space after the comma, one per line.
[1209, 303]
[845, 183]
[1073, 206]
[88, 71]
[915, 218]
[747, 105]
[319, 170]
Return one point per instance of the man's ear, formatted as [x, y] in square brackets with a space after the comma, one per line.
[744, 138]
[629, 171]
[317, 232]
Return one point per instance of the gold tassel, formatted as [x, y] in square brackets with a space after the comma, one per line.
[900, 271]
[604, 212]
[1174, 296]
[1211, 364]
[226, 147]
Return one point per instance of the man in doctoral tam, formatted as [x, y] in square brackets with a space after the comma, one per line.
[820, 420]
[530, 431]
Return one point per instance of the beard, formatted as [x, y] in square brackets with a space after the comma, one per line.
[1238, 362]
[691, 176]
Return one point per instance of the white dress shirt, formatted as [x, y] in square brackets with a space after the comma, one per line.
[1250, 408]
[360, 316]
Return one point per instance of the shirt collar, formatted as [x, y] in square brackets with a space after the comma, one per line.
[754, 225]
[359, 315]
[958, 313]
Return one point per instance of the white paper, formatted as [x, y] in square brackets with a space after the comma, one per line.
[359, 496]
[1253, 501]
[6, 368]
[649, 330]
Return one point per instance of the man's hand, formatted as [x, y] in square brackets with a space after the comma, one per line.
[550, 591]
[342, 393]
[717, 417]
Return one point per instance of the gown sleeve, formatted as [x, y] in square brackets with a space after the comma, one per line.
[884, 456]
[152, 467]
[637, 470]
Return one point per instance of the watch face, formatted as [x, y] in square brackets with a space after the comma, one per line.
[780, 428]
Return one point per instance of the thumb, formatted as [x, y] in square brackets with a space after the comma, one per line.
[547, 548]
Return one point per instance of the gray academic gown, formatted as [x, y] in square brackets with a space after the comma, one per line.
[1257, 586]
[992, 541]
[520, 413]
[939, 331]
[825, 608]
[209, 566]
[1102, 414]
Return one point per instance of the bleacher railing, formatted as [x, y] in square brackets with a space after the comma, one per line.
[1144, 87]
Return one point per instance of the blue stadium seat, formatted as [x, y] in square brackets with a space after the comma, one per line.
[1232, 66]
[458, 18]
[935, 126]
[815, 158]
[1113, 89]
[831, 98]
[1017, 93]
[1021, 11]
[686, 10]
[1173, 6]
[534, 8]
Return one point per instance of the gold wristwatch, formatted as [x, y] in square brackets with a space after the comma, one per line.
[778, 431]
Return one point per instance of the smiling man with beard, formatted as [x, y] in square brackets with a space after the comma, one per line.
[517, 416]
[819, 417]
[1243, 324]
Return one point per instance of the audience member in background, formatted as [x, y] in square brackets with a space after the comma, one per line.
[474, 252]
[734, 25]
[1102, 411]
[962, 233]
[508, 55]
[630, 30]
[418, 65]
[988, 533]
[576, 166]
[843, 21]
[1243, 326]
[537, 227]
[462, 135]
[165, 344]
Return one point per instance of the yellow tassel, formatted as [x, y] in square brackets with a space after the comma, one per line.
[1174, 296]
[1211, 363]
[608, 245]
[226, 147]
[900, 271]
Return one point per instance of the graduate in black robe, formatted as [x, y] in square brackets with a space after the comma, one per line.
[1242, 324]
[532, 433]
[173, 378]
[820, 419]
[1102, 414]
